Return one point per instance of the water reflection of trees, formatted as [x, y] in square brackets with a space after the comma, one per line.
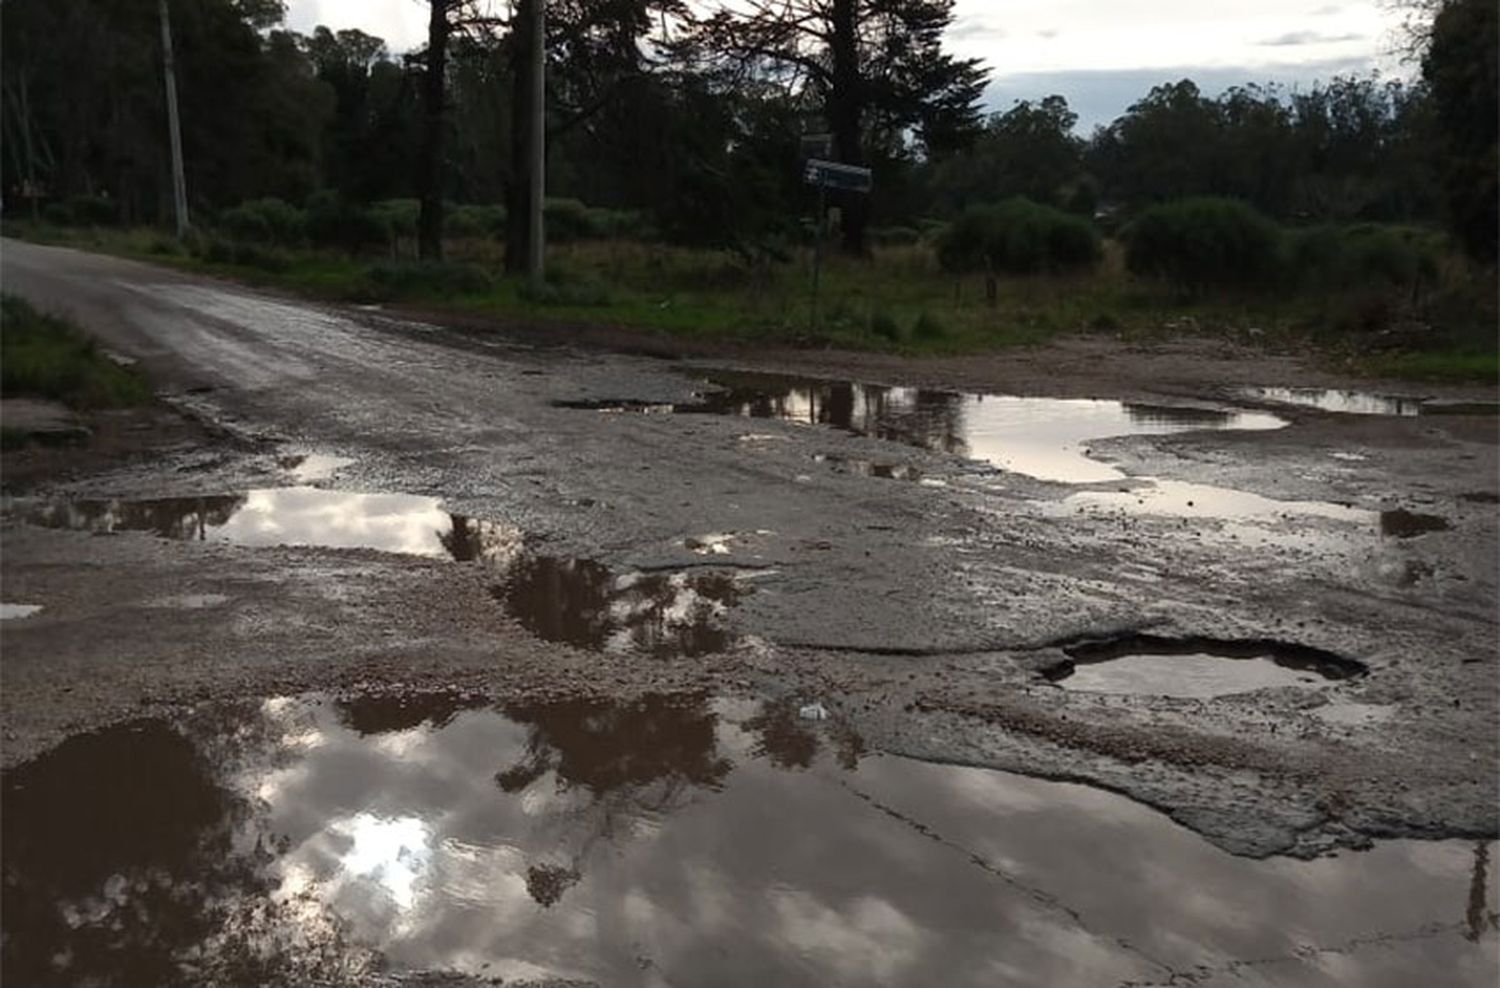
[788, 741]
[928, 419]
[666, 742]
[173, 518]
[583, 603]
[475, 540]
[125, 863]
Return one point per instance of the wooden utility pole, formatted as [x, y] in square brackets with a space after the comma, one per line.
[179, 180]
[537, 243]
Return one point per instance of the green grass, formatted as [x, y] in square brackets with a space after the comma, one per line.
[898, 300]
[1442, 365]
[42, 356]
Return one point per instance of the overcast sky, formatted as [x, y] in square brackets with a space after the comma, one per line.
[1100, 54]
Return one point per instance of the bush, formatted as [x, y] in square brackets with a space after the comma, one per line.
[885, 327]
[1203, 242]
[474, 221]
[398, 216]
[58, 214]
[92, 211]
[1366, 256]
[419, 278]
[928, 327]
[333, 221]
[218, 250]
[264, 221]
[895, 236]
[1018, 236]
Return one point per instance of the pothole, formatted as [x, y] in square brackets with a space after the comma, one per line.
[1041, 437]
[584, 603]
[289, 516]
[1149, 665]
[370, 841]
[1403, 524]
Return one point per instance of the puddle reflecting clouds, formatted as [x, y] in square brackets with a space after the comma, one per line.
[290, 516]
[1040, 437]
[671, 840]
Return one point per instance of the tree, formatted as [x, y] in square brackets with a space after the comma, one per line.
[1029, 150]
[876, 66]
[1460, 67]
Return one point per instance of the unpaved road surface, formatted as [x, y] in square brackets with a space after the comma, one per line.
[924, 596]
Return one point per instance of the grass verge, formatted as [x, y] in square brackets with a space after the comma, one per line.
[42, 356]
[899, 300]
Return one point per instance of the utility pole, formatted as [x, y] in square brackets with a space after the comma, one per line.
[179, 182]
[538, 242]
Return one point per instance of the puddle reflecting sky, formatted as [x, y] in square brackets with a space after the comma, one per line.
[1040, 437]
[1197, 668]
[673, 840]
[291, 516]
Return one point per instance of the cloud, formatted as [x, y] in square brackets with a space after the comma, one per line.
[1297, 38]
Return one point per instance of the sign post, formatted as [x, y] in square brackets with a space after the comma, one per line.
[831, 175]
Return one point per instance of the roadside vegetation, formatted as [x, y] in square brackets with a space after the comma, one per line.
[1355, 218]
[42, 356]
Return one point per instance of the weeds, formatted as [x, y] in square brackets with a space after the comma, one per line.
[42, 356]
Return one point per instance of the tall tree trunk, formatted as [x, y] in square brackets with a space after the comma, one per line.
[518, 188]
[845, 108]
[430, 160]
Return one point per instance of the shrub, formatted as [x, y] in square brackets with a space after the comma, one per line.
[58, 214]
[444, 278]
[264, 221]
[928, 327]
[895, 236]
[1203, 242]
[885, 327]
[1018, 236]
[566, 219]
[398, 216]
[218, 250]
[1363, 257]
[333, 221]
[92, 211]
[473, 221]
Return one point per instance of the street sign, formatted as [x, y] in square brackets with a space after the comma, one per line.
[833, 175]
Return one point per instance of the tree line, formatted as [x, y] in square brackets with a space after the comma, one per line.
[691, 117]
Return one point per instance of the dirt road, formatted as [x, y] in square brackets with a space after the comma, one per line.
[943, 572]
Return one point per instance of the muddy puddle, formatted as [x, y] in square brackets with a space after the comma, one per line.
[585, 604]
[1366, 403]
[673, 840]
[289, 516]
[1044, 438]
[1198, 668]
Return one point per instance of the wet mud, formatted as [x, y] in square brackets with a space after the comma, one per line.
[672, 839]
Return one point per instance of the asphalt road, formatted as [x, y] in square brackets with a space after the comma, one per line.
[920, 612]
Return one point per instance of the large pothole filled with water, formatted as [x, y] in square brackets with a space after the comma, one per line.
[1044, 438]
[669, 840]
[1198, 668]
